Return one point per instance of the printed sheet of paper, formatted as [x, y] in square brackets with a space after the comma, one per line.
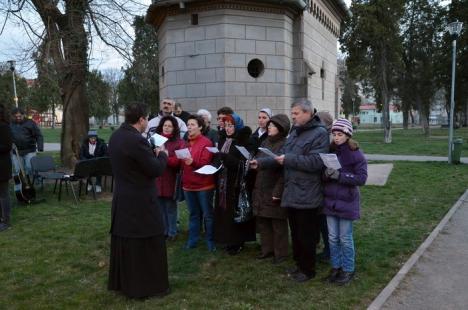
[157, 139]
[267, 151]
[243, 151]
[212, 149]
[208, 169]
[330, 160]
[183, 153]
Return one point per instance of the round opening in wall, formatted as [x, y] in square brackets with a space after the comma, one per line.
[255, 68]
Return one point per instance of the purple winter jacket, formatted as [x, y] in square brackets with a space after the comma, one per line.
[341, 197]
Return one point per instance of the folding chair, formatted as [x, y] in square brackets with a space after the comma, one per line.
[41, 167]
[83, 170]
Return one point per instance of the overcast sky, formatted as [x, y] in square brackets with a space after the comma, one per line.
[15, 41]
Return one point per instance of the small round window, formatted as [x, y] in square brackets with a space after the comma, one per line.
[255, 68]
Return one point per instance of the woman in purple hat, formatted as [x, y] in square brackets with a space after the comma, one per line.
[342, 200]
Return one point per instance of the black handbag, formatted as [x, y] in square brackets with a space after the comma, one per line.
[243, 211]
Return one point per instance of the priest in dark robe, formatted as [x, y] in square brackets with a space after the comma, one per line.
[138, 257]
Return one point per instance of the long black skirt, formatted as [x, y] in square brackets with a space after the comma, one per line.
[138, 266]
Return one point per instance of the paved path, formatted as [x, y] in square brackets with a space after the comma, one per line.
[51, 146]
[410, 158]
[436, 275]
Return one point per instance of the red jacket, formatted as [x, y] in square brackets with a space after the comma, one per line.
[192, 181]
[166, 182]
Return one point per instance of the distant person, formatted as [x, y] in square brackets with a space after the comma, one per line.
[261, 133]
[180, 113]
[167, 109]
[6, 140]
[93, 147]
[28, 139]
[138, 256]
[342, 200]
[209, 132]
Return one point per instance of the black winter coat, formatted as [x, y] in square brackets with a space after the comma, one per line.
[6, 140]
[135, 212]
[225, 230]
[26, 135]
[100, 151]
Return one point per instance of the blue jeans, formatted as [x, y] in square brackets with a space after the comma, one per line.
[25, 161]
[200, 204]
[340, 237]
[169, 214]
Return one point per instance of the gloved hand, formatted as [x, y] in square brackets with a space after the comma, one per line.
[332, 173]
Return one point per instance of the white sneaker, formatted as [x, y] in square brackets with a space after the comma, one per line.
[90, 187]
[98, 189]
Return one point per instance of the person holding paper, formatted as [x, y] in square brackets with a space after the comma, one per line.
[198, 188]
[342, 200]
[166, 184]
[303, 196]
[271, 219]
[226, 232]
[138, 257]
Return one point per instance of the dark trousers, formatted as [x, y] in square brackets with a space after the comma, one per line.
[324, 233]
[304, 225]
[273, 236]
[5, 206]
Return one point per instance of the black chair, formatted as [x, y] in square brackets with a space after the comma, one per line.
[83, 170]
[43, 168]
[104, 168]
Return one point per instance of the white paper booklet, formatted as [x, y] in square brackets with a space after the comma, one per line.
[208, 169]
[183, 153]
[268, 152]
[243, 151]
[330, 160]
[157, 140]
[212, 149]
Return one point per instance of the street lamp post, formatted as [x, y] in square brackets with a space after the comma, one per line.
[454, 29]
[12, 64]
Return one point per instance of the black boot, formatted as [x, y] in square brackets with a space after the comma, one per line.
[344, 278]
[333, 275]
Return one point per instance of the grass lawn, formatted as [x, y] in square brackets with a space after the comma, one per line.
[410, 142]
[56, 254]
[53, 135]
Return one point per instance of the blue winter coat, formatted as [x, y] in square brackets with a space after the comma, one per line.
[342, 197]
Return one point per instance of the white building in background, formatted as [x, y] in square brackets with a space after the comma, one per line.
[248, 54]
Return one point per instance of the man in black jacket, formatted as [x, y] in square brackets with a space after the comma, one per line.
[27, 137]
[93, 147]
[138, 257]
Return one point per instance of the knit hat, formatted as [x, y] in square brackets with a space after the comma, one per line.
[267, 111]
[92, 133]
[281, 122]
[238, 121]
[343, 125]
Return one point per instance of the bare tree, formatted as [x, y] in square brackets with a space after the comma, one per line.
[113, 77]
[68, 28]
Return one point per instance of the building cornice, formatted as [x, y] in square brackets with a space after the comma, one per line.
[160, 10]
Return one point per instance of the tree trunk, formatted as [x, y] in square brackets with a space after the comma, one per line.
[405, 118]
[68, 49]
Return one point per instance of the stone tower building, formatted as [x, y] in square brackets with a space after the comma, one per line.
[248, 54]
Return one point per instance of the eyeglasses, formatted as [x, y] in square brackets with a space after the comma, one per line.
[229, 126]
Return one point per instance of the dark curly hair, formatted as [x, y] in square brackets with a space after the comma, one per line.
[175, 124]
